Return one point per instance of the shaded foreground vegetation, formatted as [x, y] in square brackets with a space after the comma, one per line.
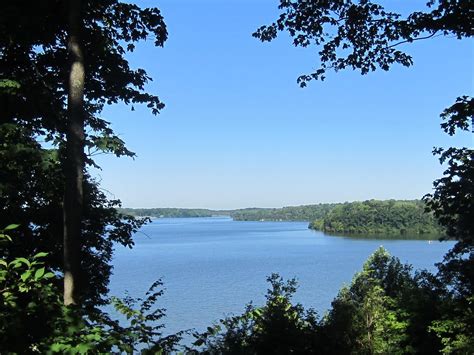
[379, 217]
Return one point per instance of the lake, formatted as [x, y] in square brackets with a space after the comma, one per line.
[212, 267]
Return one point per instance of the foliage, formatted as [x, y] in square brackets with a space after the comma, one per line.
[374, 314]
[387, 309]
[453, 199]
[279, 327]
[33, 53]
[8, 86]
[379, 217]
[33, 96]
[363, 35]
[139, 330]
[452, 202]
[454, 328]
[31, 190]
[291, 213]
[27, 299]
[168, 212]
[35, 320]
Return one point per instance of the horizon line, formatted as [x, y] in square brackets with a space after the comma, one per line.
[285, 206]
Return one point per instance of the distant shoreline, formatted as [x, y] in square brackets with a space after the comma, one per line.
[390, 218]
[360, 236]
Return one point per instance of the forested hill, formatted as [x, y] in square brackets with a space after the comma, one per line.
[168, 212]
[371, 217]
[293, 213]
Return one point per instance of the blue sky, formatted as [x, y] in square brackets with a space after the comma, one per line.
[237, 131]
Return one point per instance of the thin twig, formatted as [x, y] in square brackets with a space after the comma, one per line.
[415, 39]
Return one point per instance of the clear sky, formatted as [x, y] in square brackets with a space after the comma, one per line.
[237, 131]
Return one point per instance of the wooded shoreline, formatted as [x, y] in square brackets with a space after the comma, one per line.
[371, 217]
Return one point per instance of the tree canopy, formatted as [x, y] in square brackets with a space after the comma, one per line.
[364, 35]
[379, 217]
[34, 90]
[33, 53]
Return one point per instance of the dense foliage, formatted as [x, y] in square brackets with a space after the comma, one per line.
[387, 309]
[31, 190]
[33, 53]
[379, 217]
[452, 202]
[279, 327]
[292, 213]
[34, 319]
[34, 118]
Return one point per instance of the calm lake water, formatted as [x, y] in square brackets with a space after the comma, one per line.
[212, 267]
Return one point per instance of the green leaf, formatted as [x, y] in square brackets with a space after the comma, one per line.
[11, 226]
[40, 255]
[83, 348]
[25, 275]
[21, 260]
[9, 84]
[4, 236]
[39, 273]
[56, 347]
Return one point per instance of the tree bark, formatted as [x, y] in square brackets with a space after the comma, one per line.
[74, 159]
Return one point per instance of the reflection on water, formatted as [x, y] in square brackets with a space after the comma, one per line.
[427, 237]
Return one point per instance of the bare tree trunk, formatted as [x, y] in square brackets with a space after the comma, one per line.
[74, 164]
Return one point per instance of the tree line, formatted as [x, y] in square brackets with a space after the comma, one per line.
[379, 217]
[168, 212]
[390, 217]
[291, 213]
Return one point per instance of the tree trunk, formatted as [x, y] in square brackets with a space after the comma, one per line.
[74, 163]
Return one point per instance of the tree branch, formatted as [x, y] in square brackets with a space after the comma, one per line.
[415, 39]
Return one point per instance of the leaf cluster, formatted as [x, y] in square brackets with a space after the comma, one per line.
[35, 320]
[28, 298]
[31, 193]
[363, 35]
[139, 330]
[33, 56]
